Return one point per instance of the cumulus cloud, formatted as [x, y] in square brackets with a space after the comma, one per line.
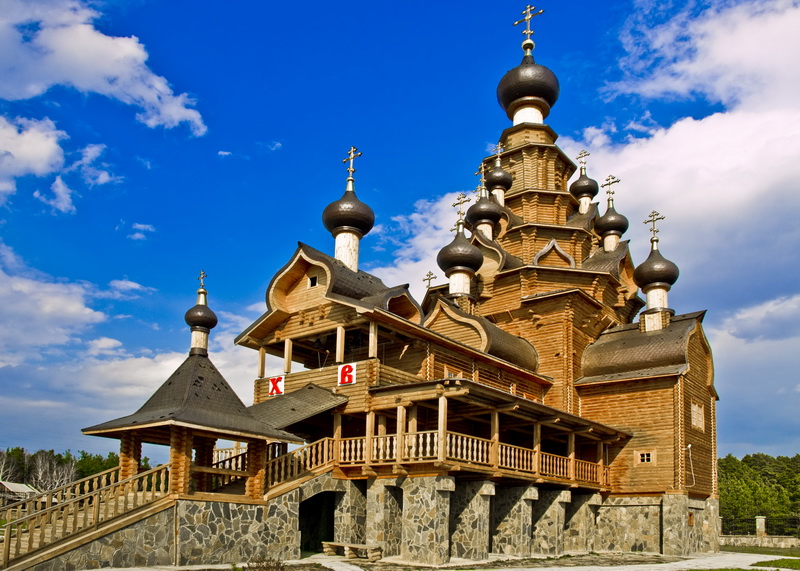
[61, 200]
[93, 171]
[773, 319]
[141, 231]
[54, 42]
[224, 153]
[27, 147]
[39, 311]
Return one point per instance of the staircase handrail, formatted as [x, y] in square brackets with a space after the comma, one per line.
[317, 454]
[67, 518]
[237, 462]
[47, 498]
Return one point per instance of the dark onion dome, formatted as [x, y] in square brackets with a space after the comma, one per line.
[656, 270]
[530, 83]
[612, 222]
[498, 177]
[201, 315]
[459, 254]
[348, 213]
[584, 186]
[484, 211]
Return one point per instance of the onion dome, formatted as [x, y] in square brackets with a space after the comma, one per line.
[459, 254]
[528, 84]
[612, 222]
[201, 315]
[348, 214]
[656, 270]
[484, 211]
[584, 186]
[498, 177]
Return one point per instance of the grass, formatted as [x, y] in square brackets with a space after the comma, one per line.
[788, 552]
[780, 564]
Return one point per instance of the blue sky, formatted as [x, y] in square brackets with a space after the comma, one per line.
[143, 141]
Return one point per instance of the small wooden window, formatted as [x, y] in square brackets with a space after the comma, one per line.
[698, 416]
[645, 457]
[312, 281]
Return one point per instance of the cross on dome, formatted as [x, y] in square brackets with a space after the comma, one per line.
[582, 157]
[528, 12]
[461, 200]
[610, 180]
[497, 149]
[429, 277]
[202, 277]
[351, 156]
[652, 219]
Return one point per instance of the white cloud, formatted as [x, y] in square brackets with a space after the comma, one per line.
[54, 42]
[124, 289]
[92, 173]
[39, 312]
[224, 153]
[275, 146]
[774, 319]
[62, 197]
[143, 227]
[728, 54]
[103, 346]
[27, 147]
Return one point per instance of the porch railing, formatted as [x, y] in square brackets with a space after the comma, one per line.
[297, 462]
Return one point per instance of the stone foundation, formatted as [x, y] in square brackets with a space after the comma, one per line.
[425, 520]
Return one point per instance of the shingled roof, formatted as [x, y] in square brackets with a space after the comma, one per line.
[303, 403]
[602, 261]
[625, 352]
[195, 395]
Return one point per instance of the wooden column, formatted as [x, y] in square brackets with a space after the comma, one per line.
[127, 462]
[262, 362]
[413, 413]
[287, 356]
[494, 451]
[180, 458]
[339, 345]
[368, 441]
[373, 340]
[537, 446]
[204, 457]
[571, 454]
[442, 428]
[257, 466]
[600, 470]
[337, 436]
[401, 433]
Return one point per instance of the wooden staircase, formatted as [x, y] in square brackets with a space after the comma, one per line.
[75, 511]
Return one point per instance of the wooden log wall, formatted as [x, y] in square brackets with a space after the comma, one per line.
[644, 408]
[180, 457]
[701, 457]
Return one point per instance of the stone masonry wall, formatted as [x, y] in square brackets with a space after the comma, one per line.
[384, 517]
[548, 522]
[146, 543]
[511, 525]
[629, 524]
[469, 520]
[426, 503]
[579, 524]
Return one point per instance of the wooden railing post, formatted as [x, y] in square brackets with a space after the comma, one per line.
[442, 428]
[494, 452]
[401, 433]
[370, 432]
[537, 448]
[571, 454]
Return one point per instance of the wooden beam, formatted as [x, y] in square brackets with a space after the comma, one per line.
[401, 433]
[494, 450]
[373, 340]
[262, 362]
[370, 428]
[442, 425]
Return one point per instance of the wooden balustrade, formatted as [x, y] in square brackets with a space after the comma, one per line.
[471, 449]
[586, 471]
[384, 448]
[420, 446]
[351, 450]
[70, 516]
[554, 466]
[235, 466]
[518, 459]
[46, 499]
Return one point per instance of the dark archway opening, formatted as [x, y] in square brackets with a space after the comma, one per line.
[316, 521]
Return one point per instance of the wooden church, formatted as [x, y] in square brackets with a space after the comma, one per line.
[534, 404]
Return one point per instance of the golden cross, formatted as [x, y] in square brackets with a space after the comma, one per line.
[528, 13]
[429, 277]
[203, 276]
[351, 156]
[497, 149]
[582, 157]
[610, 179]
[461, 200]
[652, 219]
[482, 172]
